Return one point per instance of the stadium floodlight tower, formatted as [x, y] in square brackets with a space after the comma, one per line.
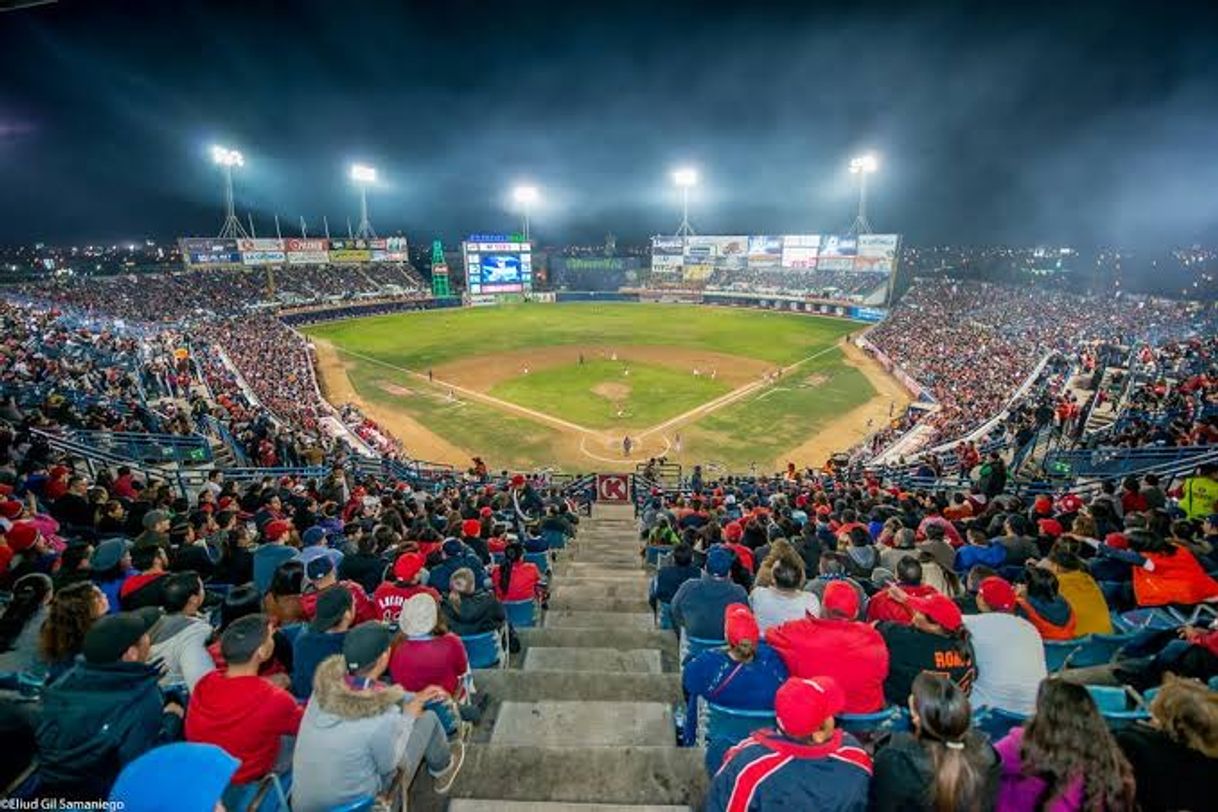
[363, 175]
[863, 166]
[525, 196]
[226, 159]
[685, 178]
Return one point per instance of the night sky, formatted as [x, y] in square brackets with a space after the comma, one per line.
[1081, 122]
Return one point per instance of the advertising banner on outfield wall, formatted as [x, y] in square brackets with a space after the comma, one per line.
[799, 251]
[308, 257]
[249, 245]
[209, 251]
[877, 245]
[765, 252]
[296, 244]
[214, 258]
[350, 255]
[262, 257]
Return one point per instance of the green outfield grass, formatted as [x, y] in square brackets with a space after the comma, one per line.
[422, 340]
[599, 395]
[758, 429]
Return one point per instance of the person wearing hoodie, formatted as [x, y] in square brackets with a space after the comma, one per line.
[698, 606]
[242, 712]
[979, 550]
[456, 556]
[1041, 602]
[359, 733]
[179, 641]
[105, 712]
[469, 610]
[882, 606]
[836, 644]
[182, 776]
[110, 567]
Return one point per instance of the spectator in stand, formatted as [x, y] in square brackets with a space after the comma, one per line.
[852, 652]
[471, 537]
[180, 776]
[109, 568]
[363, 565]
[73, 611]
[935, 640]
[515, 579]
[406, 582]
[21, 622]
[322, 638]
[1080, 590]
[156, 524]
[1041, 602]
[73, 508]
[282, 600]
[979, 551]
[744, 675]
[320, 574]
[469, 610]
[360, 735]
[273, 551]
[147, 586]
[1019, 546]
[1174, 758]
[1199, 494]
[1007, 650]
[1064, 759]
[430, 654]
[699, 605]
[105, 712]
[785, 599]
[944, 764]
[883, 606]
[240, 711]
[179, 641]
[456, 556]
[807, 763]
[669, 577]
[1174, 576]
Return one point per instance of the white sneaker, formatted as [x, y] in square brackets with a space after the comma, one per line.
[444, 780]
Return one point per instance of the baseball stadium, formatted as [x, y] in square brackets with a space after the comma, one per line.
[487, 512]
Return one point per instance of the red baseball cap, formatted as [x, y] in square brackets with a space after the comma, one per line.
[997, 593]
[1070, 503]
[841, 599]
[5, 489]
[408, 565]
[803, 704]
[277, 528]
[471, 528]
[486, 511]
[733, 532]
[739, 624]
[939, 608]
[21, 536]
[1050, 527]
[11, 509]
[518, 481]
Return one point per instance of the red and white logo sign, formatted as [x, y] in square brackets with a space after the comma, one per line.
[613, 488]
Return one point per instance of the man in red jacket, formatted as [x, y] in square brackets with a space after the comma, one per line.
[835, 645]
[392, 594]
[909, 580]
[239, 710]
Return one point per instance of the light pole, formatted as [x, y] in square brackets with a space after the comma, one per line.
[684, 178]
[525, 197]
[226, 159]
[363, 175]
[863, 166]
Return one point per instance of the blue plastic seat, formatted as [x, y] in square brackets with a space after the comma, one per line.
[867, 725]
[655, 552]
[1058, 653]
[540, 560]
[521, 614]
[997, 722]
[1114, 703]
[1099, 649]
[664, 615]
[483, 650]
[364, 804]
[1153, 618]
[735, 724]
[696, 645]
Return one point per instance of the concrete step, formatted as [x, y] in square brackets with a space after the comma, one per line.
[596, 603]
[584, 724]
[597, 660]
[464, 805]
[576, 587]
[591, 775]
[615, 637]
[566, 619]
[515, 685]
[597, 572]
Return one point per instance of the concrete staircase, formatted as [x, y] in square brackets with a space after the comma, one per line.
[583, 718]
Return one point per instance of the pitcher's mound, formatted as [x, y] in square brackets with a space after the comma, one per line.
[612, 391]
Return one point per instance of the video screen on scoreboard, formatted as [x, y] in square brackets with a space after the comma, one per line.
[498, 267]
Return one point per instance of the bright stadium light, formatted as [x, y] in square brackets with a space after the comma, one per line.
[226, 159]
[684, 178]
[363, 175]
[526, 196]
[863, 166]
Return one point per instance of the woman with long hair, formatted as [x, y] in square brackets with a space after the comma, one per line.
[944, 765]
[72, 612]
[22, 620]
[1078, 588]
[1041, 602]
[1064, 759]
[516, 579]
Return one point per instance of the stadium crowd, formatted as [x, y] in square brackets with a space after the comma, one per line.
[849, 286]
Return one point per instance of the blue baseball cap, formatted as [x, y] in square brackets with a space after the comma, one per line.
[719, 560]
[313, 536]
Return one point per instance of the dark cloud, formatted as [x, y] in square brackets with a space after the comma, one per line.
[1086, 122]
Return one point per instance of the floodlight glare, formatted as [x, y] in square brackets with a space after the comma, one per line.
[864, 163]
[361, 173]
[227, 157]
[685, 177]
[525, 194]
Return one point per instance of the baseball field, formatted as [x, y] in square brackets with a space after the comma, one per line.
[564, 386]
